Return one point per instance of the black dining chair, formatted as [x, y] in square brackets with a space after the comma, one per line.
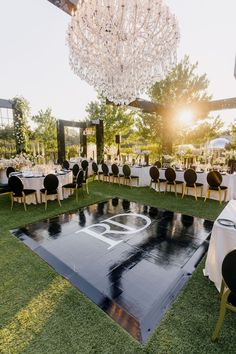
[190, 179]
[4, 187]
[106, 174]
[116, 175]
[66, 165]
[84, 165]
[50, 183]
[96, 171]
[9, 170]
[155, 177]
[75, 171]
[170, 176]
[128, 177]
[157, 164]
[18, 192]
[77, 185]
[227, 291]
[214, 180]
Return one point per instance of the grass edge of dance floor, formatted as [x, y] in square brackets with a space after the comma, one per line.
[41, 312]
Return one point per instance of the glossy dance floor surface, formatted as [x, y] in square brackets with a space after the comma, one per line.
[130, 259]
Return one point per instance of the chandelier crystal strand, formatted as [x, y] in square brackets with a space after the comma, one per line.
[122, 47]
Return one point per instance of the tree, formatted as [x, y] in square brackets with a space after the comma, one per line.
[204, 131]
[46, 130]
[180, 88]
[233, 134]
[116, 120]
[20, 116]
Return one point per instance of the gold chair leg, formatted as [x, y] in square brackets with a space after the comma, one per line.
[59, 202]
[36, 198]
[226, 192]
[207, 194]
[201, 191]
[24, 202]
[175, 190]
[12, 201]
[219, 192]
[219, 323]
[195, 192]
[184, 188]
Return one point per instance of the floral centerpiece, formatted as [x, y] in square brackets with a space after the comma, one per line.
[17, 162]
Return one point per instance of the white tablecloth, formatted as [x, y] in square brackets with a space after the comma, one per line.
[223, 240]
[37, 183]
[227, 180]
[144, 180]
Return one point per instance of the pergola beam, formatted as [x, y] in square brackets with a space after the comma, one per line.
[68, 6]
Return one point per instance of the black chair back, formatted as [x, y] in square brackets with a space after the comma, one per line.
[154, 173]
[75, 169]
[95, 167]
[157, 164]
[66, 165]
[170, 175]
[229, 271]
[84, 165]
[214, 179]
[126, 171]
[16, 185]
[80, 178]
[9, 170]
[51, 182]
[105, 169]
[190, 176]
[115, 170]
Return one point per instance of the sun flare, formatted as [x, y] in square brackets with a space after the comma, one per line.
[185, 117]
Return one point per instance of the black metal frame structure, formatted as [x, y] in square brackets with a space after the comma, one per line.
[98, 124]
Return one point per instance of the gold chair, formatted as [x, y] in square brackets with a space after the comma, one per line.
[128, 177]
[170, 176]
[50, 183]
[75, 186]
[190, 178]
[18, 192]
[154, 174]
[227, 292]
[214, 180]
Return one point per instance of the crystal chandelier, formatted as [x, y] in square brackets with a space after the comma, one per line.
[122, 47]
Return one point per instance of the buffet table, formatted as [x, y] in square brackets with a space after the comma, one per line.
[223, 240]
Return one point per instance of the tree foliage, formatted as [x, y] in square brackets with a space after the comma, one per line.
[181, 87]
[204, 131]
[46, 130]
[116, 120]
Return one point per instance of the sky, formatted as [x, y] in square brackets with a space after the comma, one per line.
[34, 57]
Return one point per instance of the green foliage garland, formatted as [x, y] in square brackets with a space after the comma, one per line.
[21, 130]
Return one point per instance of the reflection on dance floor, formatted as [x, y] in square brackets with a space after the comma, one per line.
[130, 259]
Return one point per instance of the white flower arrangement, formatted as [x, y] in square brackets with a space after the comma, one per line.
[17, 161]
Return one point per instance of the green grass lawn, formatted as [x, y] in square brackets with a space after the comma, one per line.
[41, 312]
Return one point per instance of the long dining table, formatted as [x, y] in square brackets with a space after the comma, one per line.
[223, 240]
[228, 180]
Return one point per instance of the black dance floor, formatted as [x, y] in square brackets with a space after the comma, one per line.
[130, 259]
